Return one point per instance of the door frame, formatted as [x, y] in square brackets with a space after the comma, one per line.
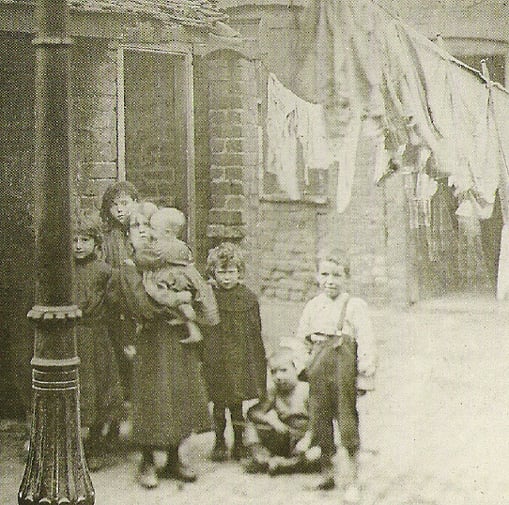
[171, 49]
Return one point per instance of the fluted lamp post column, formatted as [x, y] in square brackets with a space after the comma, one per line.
[55, 473]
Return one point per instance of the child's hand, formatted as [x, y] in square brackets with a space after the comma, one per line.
[130, 351]
[313, 453]
[185, 296]
[188, 311]
[303, 444]
[280, 427]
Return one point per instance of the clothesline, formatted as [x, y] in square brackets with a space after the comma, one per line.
[362, 64]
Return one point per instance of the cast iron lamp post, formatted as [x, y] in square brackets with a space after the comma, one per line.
[55, 473]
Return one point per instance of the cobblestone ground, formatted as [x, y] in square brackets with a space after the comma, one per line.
[435, 432]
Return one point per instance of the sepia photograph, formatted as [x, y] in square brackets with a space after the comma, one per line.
[254, 252]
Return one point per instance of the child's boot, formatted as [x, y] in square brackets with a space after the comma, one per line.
[259, 459]
[239, 450]
[352, 492]
[147, 476]
[94, 450]
[175, 469]
[220, 451]
[327, 481]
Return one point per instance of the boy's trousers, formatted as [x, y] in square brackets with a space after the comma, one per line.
[333, 394]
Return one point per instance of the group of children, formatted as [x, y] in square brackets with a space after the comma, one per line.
[156, 334]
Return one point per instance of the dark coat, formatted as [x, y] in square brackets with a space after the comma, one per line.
[169, 398]
[234, 354]
[101, 393]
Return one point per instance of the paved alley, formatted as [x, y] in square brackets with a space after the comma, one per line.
[435, 431]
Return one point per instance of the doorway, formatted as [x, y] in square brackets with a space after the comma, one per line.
[158, 154]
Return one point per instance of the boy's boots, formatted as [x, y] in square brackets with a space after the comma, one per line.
[220, 451]
[352, 491]
[327, 471]
[259, 459]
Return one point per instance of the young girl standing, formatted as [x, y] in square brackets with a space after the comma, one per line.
[117, 203]
[234, 355]
[169, 394]
[101, 393]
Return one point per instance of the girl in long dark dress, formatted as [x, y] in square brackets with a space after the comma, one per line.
[101, 392]
[169, 396]
[234, 354]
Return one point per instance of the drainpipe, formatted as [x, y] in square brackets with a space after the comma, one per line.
[55, 471]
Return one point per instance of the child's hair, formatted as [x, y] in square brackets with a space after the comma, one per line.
[88, 223]
[144, 208]
[168, 215]
[225, 255]
[336, 256]
[112, 192]
[282, 355]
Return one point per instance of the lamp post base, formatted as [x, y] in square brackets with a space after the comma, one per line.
[56, 472]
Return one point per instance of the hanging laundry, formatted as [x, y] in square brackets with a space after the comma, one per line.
[294, 127]
[425, 188]
[345, 151]
[357, 61]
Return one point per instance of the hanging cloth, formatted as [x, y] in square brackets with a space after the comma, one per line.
[500, 109]
[294, 126]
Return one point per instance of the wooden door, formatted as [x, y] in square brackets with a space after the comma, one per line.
[158, 128]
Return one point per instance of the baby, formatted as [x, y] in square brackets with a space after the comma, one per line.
[170, 266]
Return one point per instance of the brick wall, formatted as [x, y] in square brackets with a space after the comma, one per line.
[95, 118]
[233, 128]
[234, 133]
[288, 237]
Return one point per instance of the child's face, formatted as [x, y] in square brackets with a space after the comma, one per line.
[121, 208]
[83, 246]
[166, 230]
[284, 375]
[331, 279]
[227, 277]
[140, 232]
